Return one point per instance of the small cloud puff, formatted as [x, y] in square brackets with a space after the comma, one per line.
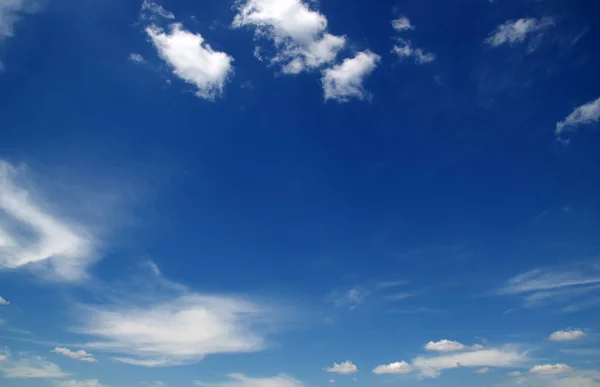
[345, 368]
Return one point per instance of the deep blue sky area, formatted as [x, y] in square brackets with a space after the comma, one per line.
[417, 206]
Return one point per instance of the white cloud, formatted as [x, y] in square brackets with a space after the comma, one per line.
[79, 383]
[553, 285]
[31, 369]
[583, 115]
[150, 10]
[240, 380]
[10, 13]
[345, 368]
[514, 374]
[494, 357]
[2, 357]
[404, 50]
[572, 378]
[450, 346]
[350, 299]
[345, 81]
[299, 33]
[397, 368]
[193, 60]
[174, 331]
[482, 371]
[136, 58]
[516, 31]
[444, 346]
[568, 335]
[30, 235]
[78, 355]
[549, 369]
[331, 380]
[2, 300]
[402, 24]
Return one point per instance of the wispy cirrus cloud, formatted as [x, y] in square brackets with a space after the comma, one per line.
[300, 34]
[554, 285]
[30, 368]
[31, 236]
[159, 323]
[586, 114]
[77, 355]
[518, 31]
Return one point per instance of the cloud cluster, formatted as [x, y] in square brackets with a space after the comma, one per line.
[517, 31]
[405, 50]
[175, 331]
[2, 300]
[345, 368]
[345, 81]
[31, 236]
[192, 60]
[78, 355]
[461, 357]
[299, 33]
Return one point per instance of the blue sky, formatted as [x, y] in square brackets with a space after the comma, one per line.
[292, 193]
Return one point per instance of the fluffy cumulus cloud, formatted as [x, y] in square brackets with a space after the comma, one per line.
[345, 368]
[2, 300]
[493, 357]
[397, 368]
[568, 335]
[550, 369]
[449, 346]
[192, 60]
[34, 368]
[482, 371]
[78, 383]
[584, 115]
[402, 23]
[299, 33]
[517, 31]
[405, 50]
[31, 236]
[345, 81]
[240, 380]
[174, 331]
[78, 355]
